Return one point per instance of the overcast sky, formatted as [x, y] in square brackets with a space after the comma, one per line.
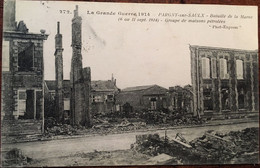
[136, 53]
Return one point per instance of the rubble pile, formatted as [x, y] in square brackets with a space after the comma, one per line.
[64, 129]
[154, 117]
[172, 118]
[49, 122]
[150, 117]
[100, 126]
[103, 126]
[216, 147]
[154, 145]
[211, 148]
[125, 125]
[185, 120]
[15, 157]
[246, 139]
[248, 142]
[150, 144]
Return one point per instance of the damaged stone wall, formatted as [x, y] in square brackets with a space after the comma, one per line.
[224, 90]
[87, 84]
[23, 80]
[22, 77]
[79, 89]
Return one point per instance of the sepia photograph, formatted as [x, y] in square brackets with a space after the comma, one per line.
[119, 84]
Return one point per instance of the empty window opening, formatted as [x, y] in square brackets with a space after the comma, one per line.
[225, 98]
[207, 100]
[26, 104]
[110, 98]
[25, 58]
[38, 103]
[241, 98]
[153, 103]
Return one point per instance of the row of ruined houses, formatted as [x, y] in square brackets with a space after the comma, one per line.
[224, 82]
[27, 96]
[106, 97]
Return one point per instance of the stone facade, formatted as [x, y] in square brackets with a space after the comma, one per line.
[22, 71]
[224, 81]
[23, 81]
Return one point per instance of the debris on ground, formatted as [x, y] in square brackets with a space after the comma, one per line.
[150, 117]
[215, 147]
[102, 126]
[150, 144]
[117, 122]
[172, 118]
[64, 129]
[125, 123]
[15, 157]
[105, 127]
[49, 122]
[180, 137]
[211, 148]
[182, 143]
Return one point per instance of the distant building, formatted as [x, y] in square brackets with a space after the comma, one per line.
[224, 81]
[22, 103]
[151, 97]
[103, 96]
[180, 99]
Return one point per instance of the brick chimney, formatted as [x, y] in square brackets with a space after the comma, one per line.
[59, 102]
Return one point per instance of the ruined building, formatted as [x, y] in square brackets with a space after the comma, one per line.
[103, 93]
[149, 97]
[224, 81]
[180, 99]
[79, 78]
[59, 102]
[22, 103]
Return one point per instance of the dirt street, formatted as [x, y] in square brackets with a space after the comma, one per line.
[66, 147]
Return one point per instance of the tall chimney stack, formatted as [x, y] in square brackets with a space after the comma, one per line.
[59, 98]
[79, 90]
[58, 27]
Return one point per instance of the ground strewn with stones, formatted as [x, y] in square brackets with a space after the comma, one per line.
[234, 147]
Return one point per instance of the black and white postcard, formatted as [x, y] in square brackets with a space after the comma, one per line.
[106, 84]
